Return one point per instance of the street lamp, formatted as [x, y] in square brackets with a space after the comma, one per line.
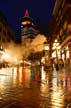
[56, 47]
[1, 52]
[1, 44]
[46, 56]
[46, 49]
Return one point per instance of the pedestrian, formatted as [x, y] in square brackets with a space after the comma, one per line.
[56, 65]
[67, 64]
[33, 70]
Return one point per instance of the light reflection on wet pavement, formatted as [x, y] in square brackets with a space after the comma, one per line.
[22, 88]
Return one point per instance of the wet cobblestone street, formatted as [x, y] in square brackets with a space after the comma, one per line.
[19, 89]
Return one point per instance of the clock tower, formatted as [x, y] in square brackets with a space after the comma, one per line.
[28, 29]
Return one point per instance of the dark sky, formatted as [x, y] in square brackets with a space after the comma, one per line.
[39, 10]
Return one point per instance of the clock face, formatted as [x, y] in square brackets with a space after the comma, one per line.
[25, 22]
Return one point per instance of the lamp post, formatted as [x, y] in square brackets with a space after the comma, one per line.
[46, 56]
[56, 47]
[46, 49]
[1, 52]
[1, 44]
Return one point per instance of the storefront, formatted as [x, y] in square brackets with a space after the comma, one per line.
[65, 52]
[58, 54]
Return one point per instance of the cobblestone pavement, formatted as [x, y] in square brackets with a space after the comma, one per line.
[20, 88]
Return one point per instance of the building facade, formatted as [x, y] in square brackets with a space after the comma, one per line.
[6, 36]
[62, 24]
[6, 33]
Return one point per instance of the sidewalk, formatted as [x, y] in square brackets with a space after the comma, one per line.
[20, 91]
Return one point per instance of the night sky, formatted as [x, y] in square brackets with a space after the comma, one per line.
[39, 10]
